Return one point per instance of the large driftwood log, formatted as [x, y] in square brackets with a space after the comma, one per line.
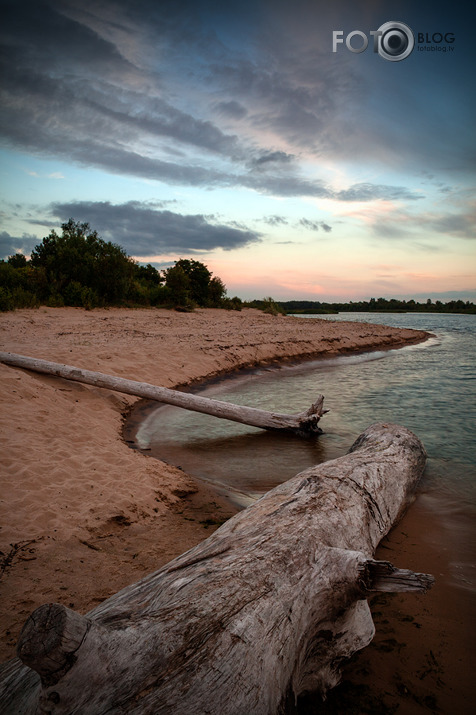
[262, 611]
[303, 423]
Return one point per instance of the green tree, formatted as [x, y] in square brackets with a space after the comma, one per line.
[148, 274]
[18, 260]
[17, 286]
[148, 288]
[191, 283]
[79, 268]
[199, 276]
[178, 286]
[78, 259]
[216, 292]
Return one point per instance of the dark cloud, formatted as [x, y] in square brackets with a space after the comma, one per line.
[158, 89]
[85, 122]
[77, 87]
[9, 245]
[286, 184]
[40, 34]
[107, 85]
[231, 109]
[310, 225]
[272, 157]
[144, 230]
[391, 228]
[157, 118]
[293, 88]
[276, 220]
[400, 224]
[371, 192]
[315, 225]
[463, 225]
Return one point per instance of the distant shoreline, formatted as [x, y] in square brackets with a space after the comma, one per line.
[318, 311]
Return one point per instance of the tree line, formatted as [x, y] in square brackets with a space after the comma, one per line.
[78, 268]
[375, 305]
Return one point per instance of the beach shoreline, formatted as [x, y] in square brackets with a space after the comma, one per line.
[84, 515]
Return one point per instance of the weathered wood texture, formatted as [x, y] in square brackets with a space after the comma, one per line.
[303, 423]
[263, 610]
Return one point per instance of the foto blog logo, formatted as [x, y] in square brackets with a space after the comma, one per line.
[394, 41]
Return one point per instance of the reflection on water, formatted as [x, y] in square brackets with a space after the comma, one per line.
[429, 388]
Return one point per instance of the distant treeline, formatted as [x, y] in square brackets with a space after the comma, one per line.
[375, 305]
[78, 268]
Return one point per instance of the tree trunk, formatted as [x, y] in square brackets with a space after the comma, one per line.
[262, 611]
[304, 423]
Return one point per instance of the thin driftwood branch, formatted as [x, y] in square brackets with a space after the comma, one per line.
[262, 611]
[303, 423]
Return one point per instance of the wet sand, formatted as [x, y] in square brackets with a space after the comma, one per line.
[82, 514]
[421, 659]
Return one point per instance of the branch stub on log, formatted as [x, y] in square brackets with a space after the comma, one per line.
[49, 639]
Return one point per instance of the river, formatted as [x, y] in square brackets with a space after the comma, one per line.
[431, 389]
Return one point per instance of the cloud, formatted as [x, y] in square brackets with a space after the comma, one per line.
[276, 220]
[52, 175]
[143, 230]
[400, 223]
[9, 245]
[463, 224]
[231, 109]
[371, 192]
[315, 225]
[272, 157]
[133, 90]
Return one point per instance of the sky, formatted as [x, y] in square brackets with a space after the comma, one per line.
[233, 134]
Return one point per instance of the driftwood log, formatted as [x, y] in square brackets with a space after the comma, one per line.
[304, 423]
[264, 610]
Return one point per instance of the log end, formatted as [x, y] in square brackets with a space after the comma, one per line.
[49, 640]
[307, 422]
[382, 576]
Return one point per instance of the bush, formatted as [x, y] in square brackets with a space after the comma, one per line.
[270, 306]
[89, 298]
[6, 299]
[234, 303]
[24, 298]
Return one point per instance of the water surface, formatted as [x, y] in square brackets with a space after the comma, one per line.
[429, 388]
[422, 657]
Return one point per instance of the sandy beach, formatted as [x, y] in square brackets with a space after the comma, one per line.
[82, 513]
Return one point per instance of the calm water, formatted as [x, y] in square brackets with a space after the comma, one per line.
[429, 388]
